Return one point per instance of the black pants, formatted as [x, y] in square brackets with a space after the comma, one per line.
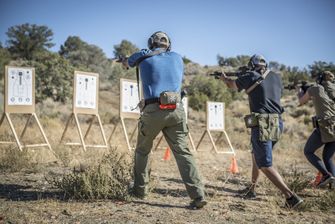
[314, 142]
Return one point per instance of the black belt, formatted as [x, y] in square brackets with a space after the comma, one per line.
[152, 100]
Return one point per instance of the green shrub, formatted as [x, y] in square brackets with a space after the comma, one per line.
[204, 89]
[14, 160]
[109, 179]
[54, 76]
[323, 201]
[298, 182]
[326, 201]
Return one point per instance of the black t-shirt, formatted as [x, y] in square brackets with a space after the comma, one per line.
[265, 98]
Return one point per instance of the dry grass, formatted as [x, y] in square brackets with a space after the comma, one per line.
[13, 160]
[297, 179]
[110, 178]
[98, 174]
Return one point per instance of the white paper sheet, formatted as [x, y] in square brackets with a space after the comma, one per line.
[20, 86]
[215, 112]
[130, 98]
[86, 90]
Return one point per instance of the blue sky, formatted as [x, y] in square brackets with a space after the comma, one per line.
[292, 32]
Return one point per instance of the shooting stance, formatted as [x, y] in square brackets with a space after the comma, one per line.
[264, 89]
[162, 110]
[323, 96]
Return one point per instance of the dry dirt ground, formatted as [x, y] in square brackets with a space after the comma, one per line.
[26, 197]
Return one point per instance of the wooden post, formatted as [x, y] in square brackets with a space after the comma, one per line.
[125, 134]
[215, 122]
[17, 139]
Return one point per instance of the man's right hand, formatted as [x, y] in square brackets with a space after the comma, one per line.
[229, 82]
[124, 62]
[223, 77]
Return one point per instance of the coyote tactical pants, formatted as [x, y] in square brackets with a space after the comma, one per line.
[173, 125]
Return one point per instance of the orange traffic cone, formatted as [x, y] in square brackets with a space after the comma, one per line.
[317, 179]
[167, 154]
[233, 166]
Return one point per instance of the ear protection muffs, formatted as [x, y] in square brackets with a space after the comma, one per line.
[154, 40]
[251, 64]
[319, 77]
[256, 60]
[151, 41]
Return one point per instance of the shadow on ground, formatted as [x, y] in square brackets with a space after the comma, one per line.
[16, 192]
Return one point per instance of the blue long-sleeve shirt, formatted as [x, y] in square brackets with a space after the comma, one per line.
[162, 72]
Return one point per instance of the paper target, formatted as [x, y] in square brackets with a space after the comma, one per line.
[129, 98]
[86, 90]
[20, 86]
[215, 116]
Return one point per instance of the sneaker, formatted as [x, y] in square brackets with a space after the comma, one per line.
[198, 203]
[247, 193]
[293, 202]
[332, 184]
[326, 179]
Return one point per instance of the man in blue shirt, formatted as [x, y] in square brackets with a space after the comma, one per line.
[162, 71]
[264, 89]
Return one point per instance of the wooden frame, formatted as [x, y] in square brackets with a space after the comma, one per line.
[17, 139]
[218, 129]
[125, 133]
[74, 116]
[127, 115]
[189, 136]
[21, 109]
[88, 110]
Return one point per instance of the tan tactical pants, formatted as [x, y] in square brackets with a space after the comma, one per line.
[173, 125]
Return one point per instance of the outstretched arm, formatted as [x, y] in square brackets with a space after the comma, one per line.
[134, 57]
[229, 82]
[303, 97]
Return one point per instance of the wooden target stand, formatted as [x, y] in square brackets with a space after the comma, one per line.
[129, 100]
[215, 123]
[20, 99]
[185, 104]
[85, 102]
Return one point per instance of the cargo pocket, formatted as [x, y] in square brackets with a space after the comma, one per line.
[180, 119]
[327, 129]
[141, 127]
[269, 129]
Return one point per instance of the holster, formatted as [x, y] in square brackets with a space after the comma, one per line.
[141, 105]
[169, 100]
[315, 122]
[250, 120]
